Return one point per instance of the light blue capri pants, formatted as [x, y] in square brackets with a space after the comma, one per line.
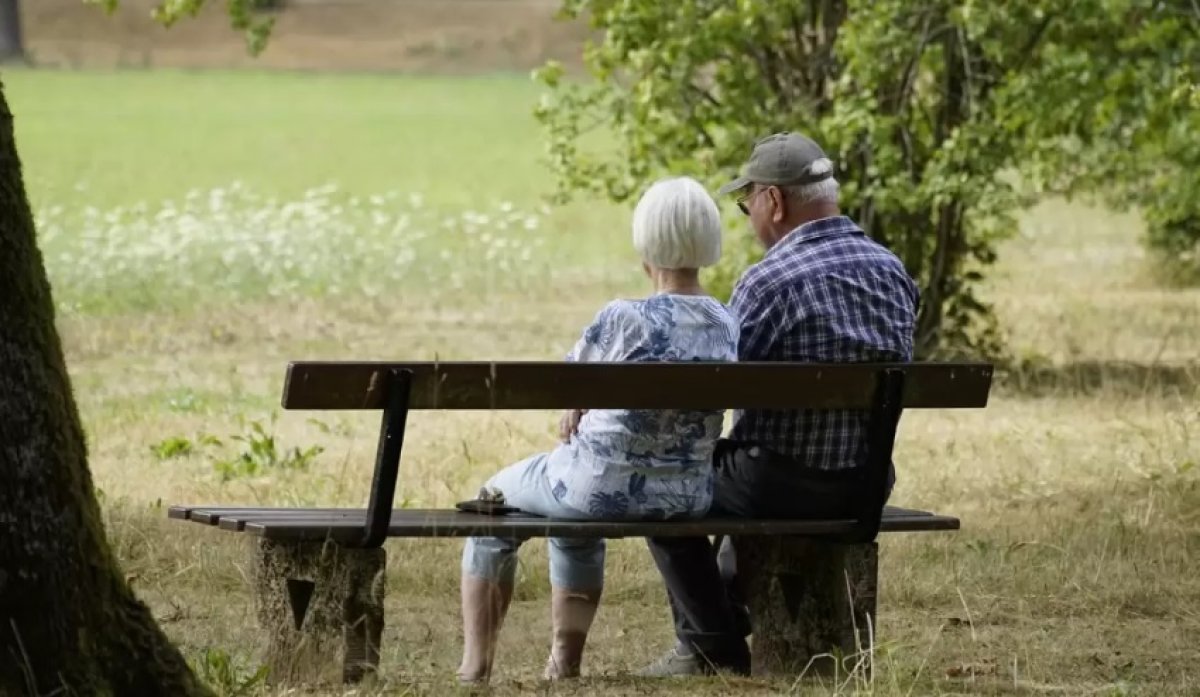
[575, 563]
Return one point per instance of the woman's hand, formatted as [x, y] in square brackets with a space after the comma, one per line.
[568, 425]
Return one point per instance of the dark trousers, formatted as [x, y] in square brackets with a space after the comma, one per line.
[701, 578]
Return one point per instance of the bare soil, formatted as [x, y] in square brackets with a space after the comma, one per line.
[420, 36]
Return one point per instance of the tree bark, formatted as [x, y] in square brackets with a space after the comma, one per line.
[12, 46]
[68, 621]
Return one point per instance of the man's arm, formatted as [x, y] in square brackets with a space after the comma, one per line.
[758, 320]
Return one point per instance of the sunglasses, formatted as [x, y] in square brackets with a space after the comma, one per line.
[741, 202]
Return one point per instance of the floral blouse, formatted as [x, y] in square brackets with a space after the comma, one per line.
[650, 464]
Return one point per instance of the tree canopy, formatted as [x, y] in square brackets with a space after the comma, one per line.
[945, 117]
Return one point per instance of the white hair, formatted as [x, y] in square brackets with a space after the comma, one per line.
[825, 190]
[676, 225]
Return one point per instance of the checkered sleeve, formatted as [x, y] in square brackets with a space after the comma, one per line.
[759, 325]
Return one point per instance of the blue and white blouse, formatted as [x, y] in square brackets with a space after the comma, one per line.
[650, 464]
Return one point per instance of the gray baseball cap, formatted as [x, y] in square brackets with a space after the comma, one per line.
[781, 159]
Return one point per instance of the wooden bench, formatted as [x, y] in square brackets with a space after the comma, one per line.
[319, 572]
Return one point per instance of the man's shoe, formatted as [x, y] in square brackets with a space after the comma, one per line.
[676, 663]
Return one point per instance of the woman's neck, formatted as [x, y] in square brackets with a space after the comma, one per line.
[678, 282]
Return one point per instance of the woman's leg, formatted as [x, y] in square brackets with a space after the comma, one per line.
[577, 581]
[576, 575]
[489, 568]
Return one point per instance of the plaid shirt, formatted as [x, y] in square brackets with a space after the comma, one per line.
[826, 293]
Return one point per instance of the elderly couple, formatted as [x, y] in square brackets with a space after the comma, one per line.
[824, 292]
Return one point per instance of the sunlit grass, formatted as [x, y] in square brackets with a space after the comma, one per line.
[120, 138]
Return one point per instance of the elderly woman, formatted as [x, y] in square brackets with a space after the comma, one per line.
[614, 464]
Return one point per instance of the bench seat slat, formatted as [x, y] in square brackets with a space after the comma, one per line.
[236, 520]
[346, 524]
[678, 385]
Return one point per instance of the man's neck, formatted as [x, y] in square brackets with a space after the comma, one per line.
[805, 215]
[812, 212]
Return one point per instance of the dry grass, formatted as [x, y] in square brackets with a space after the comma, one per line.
[1074, 572]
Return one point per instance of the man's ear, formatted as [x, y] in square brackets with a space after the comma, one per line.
[780, 212]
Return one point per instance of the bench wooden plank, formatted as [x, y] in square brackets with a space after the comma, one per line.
[235, 521]
[692, 385]
[345, 525]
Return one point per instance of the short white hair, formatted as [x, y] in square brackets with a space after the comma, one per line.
[676, 225]
[825, 191]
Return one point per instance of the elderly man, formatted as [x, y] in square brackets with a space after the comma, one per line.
[824, 292]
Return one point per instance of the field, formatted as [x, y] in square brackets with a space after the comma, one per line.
[444, 36]
[201, 229]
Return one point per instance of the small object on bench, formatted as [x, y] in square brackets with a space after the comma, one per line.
[488, 503]
[485, 507]
[320, 579]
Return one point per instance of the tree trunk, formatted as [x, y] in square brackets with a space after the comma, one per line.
[68, 621]
[12, 47]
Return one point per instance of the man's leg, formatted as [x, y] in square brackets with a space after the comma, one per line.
[711, 631]
[734, 495]
[727, 565]
[705, 623]
[756, 484]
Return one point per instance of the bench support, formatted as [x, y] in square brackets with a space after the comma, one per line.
[398, 386]
[321, 606]
[812, 604]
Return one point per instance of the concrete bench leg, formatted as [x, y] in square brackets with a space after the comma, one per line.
[809, 598]
[321, 606]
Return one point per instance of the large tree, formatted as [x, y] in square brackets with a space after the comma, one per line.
[944, 117]
[69, 623]
[68, 619]
[12, 46]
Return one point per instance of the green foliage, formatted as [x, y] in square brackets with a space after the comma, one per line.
[261, 453]
[928, 107]
[1173, 234]
[181, 446]
[175, 446]
[243, 16]
[226, 676]
[1126, 120]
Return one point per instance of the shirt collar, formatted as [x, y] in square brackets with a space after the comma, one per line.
[816, 229]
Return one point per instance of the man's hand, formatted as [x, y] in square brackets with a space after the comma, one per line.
[569, 424]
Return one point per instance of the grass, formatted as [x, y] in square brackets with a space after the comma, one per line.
[125, 137]
[1074, 571]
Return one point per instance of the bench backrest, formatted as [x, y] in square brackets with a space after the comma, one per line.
[695, 385]
[884, 390]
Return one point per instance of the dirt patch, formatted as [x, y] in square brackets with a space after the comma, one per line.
[428, 36]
